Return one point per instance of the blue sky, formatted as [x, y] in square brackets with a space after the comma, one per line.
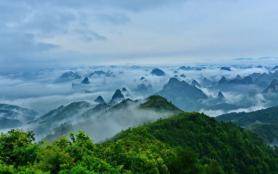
[51, 33]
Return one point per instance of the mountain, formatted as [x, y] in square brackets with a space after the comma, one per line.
[123, 105]
[143, 88]
[263, 79]
[64, 112]
[69, 76]
[183, 76]
[85, 81]
[159, 103]
[115, 118]
[101, 73]
[220, 96]
[225, 68]
[206, 82]
[203, 144]
[12, 116]
[195, 83]
[100, 100]
[56, 117]
[125, 92]
[263, 122]
[236, 81]
[189, 68]
[273, 87]
[219, 103]
[183, 95]
[223, 80]
[117, 97]
[84, 85]
[157, 72]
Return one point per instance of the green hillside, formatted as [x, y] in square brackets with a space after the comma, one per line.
[188, 143]
[269, 115]
[159, 103]
[263, 122]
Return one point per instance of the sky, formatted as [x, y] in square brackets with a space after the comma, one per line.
[42, 34]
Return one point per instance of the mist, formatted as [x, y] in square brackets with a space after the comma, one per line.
[100, 125]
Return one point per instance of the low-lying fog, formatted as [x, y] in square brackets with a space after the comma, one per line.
[49, 92]
[41, 91]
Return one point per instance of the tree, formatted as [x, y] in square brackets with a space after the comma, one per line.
[17, 148]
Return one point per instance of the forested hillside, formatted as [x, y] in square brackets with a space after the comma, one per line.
[186, 143]
[262, 122]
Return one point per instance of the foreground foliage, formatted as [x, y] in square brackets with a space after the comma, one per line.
[189, 143]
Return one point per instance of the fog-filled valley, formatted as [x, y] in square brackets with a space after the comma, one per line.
[54, 102]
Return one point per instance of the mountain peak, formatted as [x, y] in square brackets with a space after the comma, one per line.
[117, 97]
[195, 83]
[100, 100]
[158, 72]
[143, 88]
[220, 95]
[273, 87]
[238, 80]
[85, 81]
[173, 80]
[125, 92]
[223, 80]
[68, 76]
[124, 89]
[157, 102]
[182, 94]
[225, 68]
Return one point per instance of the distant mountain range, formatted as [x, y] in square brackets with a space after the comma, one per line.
[101, 73]
[12, 116]
[69, 76]
[123, 113]
[236, 81]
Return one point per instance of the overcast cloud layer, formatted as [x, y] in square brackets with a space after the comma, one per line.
[36, 34]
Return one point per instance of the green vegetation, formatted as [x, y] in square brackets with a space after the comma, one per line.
[269, 115]
[77, 154]
[268, 132]
[159, 103]
[188, 143]
[263, 122]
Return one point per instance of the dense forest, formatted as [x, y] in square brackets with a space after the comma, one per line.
[187, 143]
[262, 122]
